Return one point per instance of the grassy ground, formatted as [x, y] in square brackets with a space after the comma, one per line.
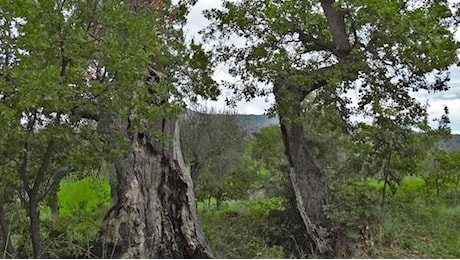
[419, 224]
[414, 224]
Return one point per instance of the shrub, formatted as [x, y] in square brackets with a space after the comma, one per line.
[417, 226]
[356, 203]
[82, 206]
[237, 230]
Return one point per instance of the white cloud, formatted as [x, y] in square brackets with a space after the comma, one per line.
[436, 110]
[256, 106]
[450, 96]
[221, 75]
[196, 19]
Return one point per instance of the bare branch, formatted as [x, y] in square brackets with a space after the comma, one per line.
[156, 74]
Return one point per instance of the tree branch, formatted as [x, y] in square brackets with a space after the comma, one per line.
[23, 169]
[46, 159]
[55, 179]
[311, 43]
[6, 235]
[336, 21]
[85, 114]
[25, 158]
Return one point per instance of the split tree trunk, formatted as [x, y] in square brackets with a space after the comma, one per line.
[155, 215]
[308, 180]
[310, 187]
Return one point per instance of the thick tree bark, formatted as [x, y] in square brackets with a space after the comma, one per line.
[155, 216]
[7, 245]
[310, 187]
[308, 180]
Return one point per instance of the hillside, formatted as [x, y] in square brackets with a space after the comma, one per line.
[250, 123]
[453, 144]
[253, 123]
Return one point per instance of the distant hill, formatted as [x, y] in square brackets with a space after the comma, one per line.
[253, 123]
[453, 144]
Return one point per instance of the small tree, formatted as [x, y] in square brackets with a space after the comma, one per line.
[443, 171]
[267, 159]
[213, 147]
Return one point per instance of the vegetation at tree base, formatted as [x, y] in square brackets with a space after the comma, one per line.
[416, 222]
[93, 165]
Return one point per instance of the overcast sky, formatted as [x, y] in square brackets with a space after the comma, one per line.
[436, 101]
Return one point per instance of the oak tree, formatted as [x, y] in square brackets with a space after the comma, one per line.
[291, 48]
[83, 82]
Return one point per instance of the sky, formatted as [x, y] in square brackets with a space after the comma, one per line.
[436, 101]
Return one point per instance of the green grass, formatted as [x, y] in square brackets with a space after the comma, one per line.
[416, 227]
[407, 183]
[203, 205]
[415, 223]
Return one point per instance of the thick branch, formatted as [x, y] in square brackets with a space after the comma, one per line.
[154, 73]
[336, 21]
[311, 43]
[23, 169]
[46, 159]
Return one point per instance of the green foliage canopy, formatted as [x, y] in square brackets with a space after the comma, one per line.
[393, 46]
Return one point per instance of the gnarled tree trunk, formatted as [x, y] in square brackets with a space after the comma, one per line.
[155, 215]
[310, 187]
[308, 180]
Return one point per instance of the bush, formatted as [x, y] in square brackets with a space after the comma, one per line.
[356, 206]
[236, 230]
[82, 206]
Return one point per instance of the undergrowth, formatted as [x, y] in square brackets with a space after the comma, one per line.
[419, 224]
[236, 230]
